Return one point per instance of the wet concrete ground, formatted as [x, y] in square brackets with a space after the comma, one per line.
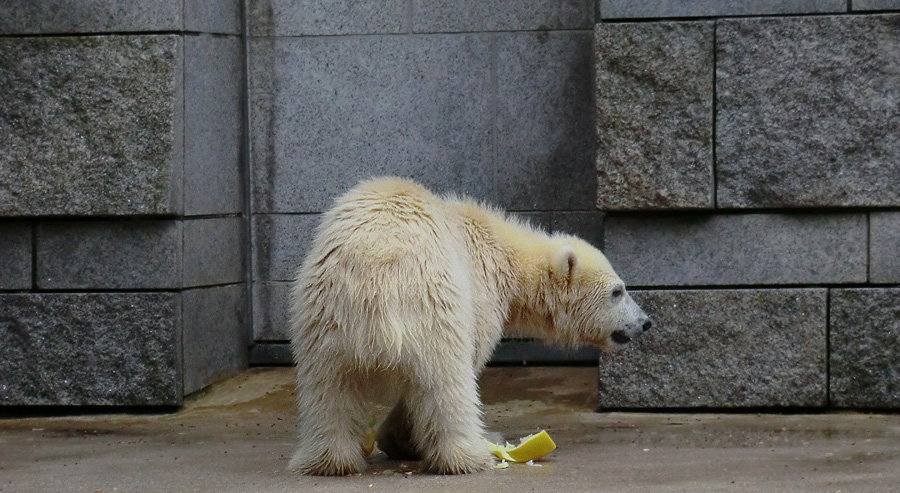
[237, 437]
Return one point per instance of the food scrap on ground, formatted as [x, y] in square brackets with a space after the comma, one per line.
[530, 448]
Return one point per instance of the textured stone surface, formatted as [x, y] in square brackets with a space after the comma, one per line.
[585, 225]
[15, 255]
[89, 16]
[271, 320]
[214, 251]
[808, 111]
[500, 15]
[544, 121]
[315, 17]
[212, 124]
[618, 9]
[328, 112]
[216, 336]
[90, 125]
[884, 247]
[737, 249]
[541, 220]
[654, 115]
[109, 255]
[90, 349]
[865, 335]
[212, 16]
[280, 244]
[875, 5]
[716, 349]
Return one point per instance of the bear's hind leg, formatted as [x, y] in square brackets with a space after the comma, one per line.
[332, 422]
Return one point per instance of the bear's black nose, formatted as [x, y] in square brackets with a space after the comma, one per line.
[647, 325]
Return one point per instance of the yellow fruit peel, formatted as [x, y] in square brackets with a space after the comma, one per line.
[368, 444]
[532, 447]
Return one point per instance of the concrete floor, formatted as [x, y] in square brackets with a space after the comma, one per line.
[237, 436]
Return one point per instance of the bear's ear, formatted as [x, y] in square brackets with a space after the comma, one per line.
[565, 260]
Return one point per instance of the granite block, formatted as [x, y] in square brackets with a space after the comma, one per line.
[637, 9]
[280, 243]
[15, 255]
[327, 112]
[654, 115]
[212, 125]
[865, 335]
[586, 225]
[214, 251]
[213, 16]
[91, 125]
[680, 250]
[722, 349]
[875, 5]
[109, 255]
[271, 317]
[216, 335]
[544, 121]
[884, 247]
[317, 18]
[808, 112]
[121, 349]
[498, 15]
[89, 16]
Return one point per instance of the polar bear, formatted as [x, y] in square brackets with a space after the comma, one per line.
[405, 293]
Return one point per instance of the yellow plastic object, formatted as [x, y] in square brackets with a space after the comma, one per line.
[368, 445]
[532, 447]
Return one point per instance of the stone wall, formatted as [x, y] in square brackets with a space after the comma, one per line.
[750, 169]
[122, 250]
[491, 99]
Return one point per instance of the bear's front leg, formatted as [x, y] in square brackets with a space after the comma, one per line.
[445, 414]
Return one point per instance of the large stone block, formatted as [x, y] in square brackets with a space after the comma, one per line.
[349, 108]
[216, 335]
[280, 244]
[865, 335]
[654, 115]
[315, 17]
[15, 255]
[544, 121]
[212, 124]
[498, 15]
[586, 225]
[89, 16]
[119, 349]
[722, 349]
[635, 9]
[884, 247]
[214, 251]
[212, 16]
[683, 250]
[91, 125]
[271, 318]
[875, 5]
[808, 111]
[109, 255]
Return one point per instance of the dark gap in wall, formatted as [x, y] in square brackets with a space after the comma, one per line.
[869, 247]
[494, 103]
[246, 169]
[828, 347]
[410, 15]
[715, 175]
[34, 256]
[108, 290]
[107, 33]
[724, 287]
[736, 212]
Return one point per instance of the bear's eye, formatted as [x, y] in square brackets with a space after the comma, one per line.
[617, 292]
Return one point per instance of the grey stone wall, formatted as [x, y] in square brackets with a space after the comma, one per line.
[750, 171]
[122, 230]
[489, 99]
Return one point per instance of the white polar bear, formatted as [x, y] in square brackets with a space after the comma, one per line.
[409, 293]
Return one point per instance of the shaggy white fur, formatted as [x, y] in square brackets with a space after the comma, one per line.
[408, 294]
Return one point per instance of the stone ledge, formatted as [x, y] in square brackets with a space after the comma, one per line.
[638, 9]
[15, 255]
[722, 349]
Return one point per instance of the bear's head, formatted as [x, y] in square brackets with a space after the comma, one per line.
[588, 301]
